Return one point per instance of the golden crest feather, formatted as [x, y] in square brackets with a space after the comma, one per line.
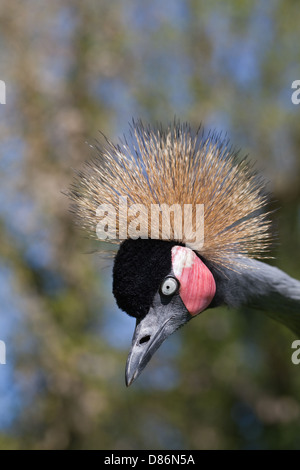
[174, 167]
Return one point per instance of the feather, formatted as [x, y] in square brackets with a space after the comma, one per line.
[154, 167]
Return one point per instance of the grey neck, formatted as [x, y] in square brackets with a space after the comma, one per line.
[266, 288]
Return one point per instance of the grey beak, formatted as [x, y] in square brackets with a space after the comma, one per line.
[150, 332]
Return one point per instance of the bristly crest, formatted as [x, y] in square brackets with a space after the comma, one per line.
[175, 167]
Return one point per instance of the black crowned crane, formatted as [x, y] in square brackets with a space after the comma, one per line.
[164, 274]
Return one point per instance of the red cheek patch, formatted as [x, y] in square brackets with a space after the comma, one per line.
[197, 284]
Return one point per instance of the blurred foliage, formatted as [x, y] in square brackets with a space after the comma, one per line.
[72, 68]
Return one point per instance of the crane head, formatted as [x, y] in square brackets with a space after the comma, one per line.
[158, 279]
[163, 285]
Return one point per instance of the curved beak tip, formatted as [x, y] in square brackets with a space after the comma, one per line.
[144, 344]
[130, 379]
[150, 332]
[134, 364]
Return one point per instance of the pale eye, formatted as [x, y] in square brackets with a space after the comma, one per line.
[169, 286]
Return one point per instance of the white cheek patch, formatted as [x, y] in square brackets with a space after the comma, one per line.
[197, 284]
[182, 258]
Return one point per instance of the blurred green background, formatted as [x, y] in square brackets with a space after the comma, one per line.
[71, 69]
